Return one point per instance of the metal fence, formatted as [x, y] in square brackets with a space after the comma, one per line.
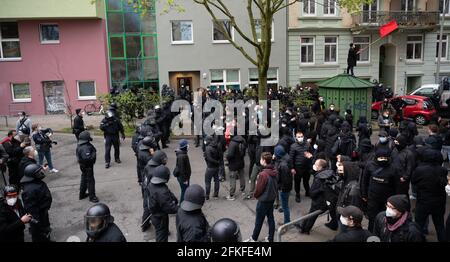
[284, 228]
[403, 18]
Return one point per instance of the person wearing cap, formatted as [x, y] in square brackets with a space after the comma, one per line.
[191, 223]
[430, 180]
[86, 156]
[29, 155]
[146, 149]
[395, 224]
[12, 216]
[182, 169]
[384, 141]
[78, 123]
[351, 218]
[23, 125]
[162, 202]
[405, 162]
[284, 180]
[378, 183]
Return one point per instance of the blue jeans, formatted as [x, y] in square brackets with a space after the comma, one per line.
[264, 209]
[284, 197]
[183, 187]
[48, 156]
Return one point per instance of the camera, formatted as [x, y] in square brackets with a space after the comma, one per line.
[46, 133]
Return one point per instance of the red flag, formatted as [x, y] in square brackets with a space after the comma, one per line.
[388, 28]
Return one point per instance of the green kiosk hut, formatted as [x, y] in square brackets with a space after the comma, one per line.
[348, 92]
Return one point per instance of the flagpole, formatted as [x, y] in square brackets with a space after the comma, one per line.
[371, 44]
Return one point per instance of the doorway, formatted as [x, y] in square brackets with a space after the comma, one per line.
[184, 81]
[54, 97]
[412, 83]
[387, 66]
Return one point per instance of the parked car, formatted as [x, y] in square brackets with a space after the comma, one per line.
[425, 90]
[419, 108]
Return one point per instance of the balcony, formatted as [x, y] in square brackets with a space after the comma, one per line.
[404, 19]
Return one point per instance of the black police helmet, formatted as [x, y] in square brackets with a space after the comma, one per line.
[147, 143]
[84, 137]
[194, 198]
[226, 230]
[159, 158]
[97, 219]
[161, 174]
[32, 172]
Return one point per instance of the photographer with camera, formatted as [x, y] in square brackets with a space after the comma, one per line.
[41, 138]
[12, 216]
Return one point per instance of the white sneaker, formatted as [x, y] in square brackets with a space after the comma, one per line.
[231, 198]
[266, 239]
[54, 170]
[412, 197]
[249, 240]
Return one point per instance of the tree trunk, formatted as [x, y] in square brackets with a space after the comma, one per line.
[262, 83]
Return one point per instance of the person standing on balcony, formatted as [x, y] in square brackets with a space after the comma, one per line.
[351, 59]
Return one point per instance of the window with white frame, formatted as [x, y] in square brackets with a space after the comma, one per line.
[441, 7]
[218, 35]
[182, 32]
[407, 5]
[362, 43]
[309, 7]
[9, 41]
[258, 30]
[86, 90]
[414, 47]
[307, 50]
[226, 78]
[49, 33]
[21, 92]
[444, 47]
[272, 77]
[329, 7]
[331, 47]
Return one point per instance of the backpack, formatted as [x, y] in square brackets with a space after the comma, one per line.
[87, 157]
[23, 128]
[332, 188]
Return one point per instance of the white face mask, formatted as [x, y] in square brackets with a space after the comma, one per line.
[283, 125]
[300, 139]
[344, 221]
[315, 168]
[390, 212]
[315, 146]
[11, 201]
[36, 155]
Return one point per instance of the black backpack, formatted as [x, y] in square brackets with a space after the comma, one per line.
[332, 188]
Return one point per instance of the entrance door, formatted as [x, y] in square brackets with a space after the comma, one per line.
[412, 83]
[184, 81]
[388, 62]
[54, 97]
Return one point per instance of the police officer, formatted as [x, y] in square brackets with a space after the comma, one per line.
[162, 202]
[100, 226]
[226, 230]
[147, 148]
[78, 123]
[37, 200]
[192, 225]
[111, 127]
[12, 216]
[164, 120]
[378, 183]
[86, 156]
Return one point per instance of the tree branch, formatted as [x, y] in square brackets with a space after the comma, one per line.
[285, 5]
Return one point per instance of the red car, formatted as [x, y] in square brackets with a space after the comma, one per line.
[419, 108]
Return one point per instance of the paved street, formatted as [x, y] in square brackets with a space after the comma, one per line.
[118, 188]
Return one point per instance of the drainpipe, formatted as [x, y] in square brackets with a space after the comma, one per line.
[287, 45]
[441, 31]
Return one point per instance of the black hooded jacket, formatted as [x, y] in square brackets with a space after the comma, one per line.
[284, 174]
[236, 153]
[192, 226]
[378, 182]
[408, 232]
[11, 227]
[212, 155]
[111, 234]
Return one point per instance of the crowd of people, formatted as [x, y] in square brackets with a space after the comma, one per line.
[352, 177]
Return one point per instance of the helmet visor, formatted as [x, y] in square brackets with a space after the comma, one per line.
[94, 225]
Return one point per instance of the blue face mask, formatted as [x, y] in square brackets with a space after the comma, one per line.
[383, 140]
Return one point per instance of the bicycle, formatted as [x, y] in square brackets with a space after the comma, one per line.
[94, 107]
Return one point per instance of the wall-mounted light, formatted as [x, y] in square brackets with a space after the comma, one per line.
[204, 75]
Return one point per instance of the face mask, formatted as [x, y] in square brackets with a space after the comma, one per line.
[344, 221]
[21, 117]
[390, 212]
[315, 146]
[11, 201]
[332, 108]
[383, 140]
[300, 139]
[83, 113]
[283, 125]
[321, 99]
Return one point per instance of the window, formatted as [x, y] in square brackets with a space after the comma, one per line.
[362, 43]
[307, 50]
[444, 47]
[219, 36]
[182, 32]
[86, 90]
[272, 77]
[9, 41]
[331, 49]
[329, 7]
[258, 30]
[407, 5]
[370, 12]
[49, 33]
[21, 92]
[441, 7]
[228, 79]
[309, 7]
[414, 47]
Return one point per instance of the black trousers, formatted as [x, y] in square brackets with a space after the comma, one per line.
[112, 141]
[87, 181]
[374, 207]
[40, 232]
[212, 173]
[437, 213]
[350, 70]
[14, 179]
[161, 224]
[301, 173]
[166, 133]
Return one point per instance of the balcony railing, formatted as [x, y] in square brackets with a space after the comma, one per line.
[406, 19]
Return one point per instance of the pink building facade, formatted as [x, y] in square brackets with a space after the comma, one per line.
[63, 64]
